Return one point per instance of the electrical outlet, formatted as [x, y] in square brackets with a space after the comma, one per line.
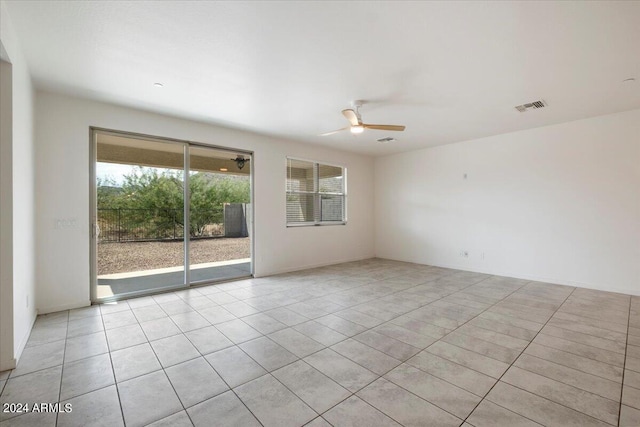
[482, 256]
[65, 223]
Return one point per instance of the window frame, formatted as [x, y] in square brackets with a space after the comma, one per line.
[317, 194]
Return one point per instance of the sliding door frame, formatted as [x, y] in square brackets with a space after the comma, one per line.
[93, 212]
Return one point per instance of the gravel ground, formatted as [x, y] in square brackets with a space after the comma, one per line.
[136, 256]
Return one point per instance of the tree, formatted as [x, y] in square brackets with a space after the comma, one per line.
[151, 200]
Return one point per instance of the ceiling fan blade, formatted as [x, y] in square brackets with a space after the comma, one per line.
[351, 116]
[384, 127]
[333, 131]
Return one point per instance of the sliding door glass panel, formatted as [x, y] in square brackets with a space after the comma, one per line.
[139, 217]
[219, 214]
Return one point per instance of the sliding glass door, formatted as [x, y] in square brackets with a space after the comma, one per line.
[219, 212]
[167, 215]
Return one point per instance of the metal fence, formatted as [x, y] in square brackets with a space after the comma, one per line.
[127, 225]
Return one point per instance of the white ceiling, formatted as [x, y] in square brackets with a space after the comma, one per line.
[449, 71]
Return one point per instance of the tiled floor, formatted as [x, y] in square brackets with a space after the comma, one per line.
[367, 343]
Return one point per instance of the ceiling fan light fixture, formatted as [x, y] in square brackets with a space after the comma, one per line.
[357, 129]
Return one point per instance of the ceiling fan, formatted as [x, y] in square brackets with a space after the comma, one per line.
[357, 126]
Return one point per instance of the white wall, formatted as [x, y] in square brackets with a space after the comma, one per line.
[18, 287]
[62, 187]
[559, 203]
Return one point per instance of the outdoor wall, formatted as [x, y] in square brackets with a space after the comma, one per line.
[62, 185]
[558, 203]
[17, 254]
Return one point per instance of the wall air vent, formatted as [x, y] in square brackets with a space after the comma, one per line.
[531, 106]
[386, 140]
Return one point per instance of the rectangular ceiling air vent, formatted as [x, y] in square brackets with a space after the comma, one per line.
[531, 106]
[386, 140]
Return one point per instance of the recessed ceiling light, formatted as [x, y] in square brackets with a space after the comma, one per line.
[158, 85]
[223, 169]
[629, 80]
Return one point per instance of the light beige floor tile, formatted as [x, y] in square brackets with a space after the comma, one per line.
[420, 327]
[263, 323]
[268, 353]
[119, 319]
[354, 412]
[463, 377]
[208, 340]
[320, 333]
[159, 328]
[345, 372]
[100, 408]
[86, 375]
[134, 361]
[572, 397]
[486, 365]
[296, 342]
[368, 357]
[40, 357]
[140, 397]
[179, 419]
[125, 336]
[174, 350]
[150, 312]
[452, 399]
[314, 388]
[189, 321]
[539, 409]
[582, 380]
[31, 419]
[590, 340]
[405, 335]
[632, 378]
[575, 361]
[631, 397]
[394, 348]
[39, 386]
[605, 356]
[572, 325]
[234, 366]
[629, 417]
[84, 326]
[238, 331]
[512, 321]
[341, 325]
[405, 407]
[273, 404]
[482, 347]
[494, 337]
[215, 315]
[286, 316]
[503, 328]
[489, 414]
[195, 381]
[85, 346]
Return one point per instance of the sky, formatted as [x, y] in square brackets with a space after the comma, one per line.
[114, 171]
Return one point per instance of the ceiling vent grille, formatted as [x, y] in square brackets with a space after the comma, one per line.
[531, 106]
[386, 140]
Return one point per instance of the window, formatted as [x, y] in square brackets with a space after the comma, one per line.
[316, 193]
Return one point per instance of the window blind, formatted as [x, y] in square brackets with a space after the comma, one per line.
[316, 193]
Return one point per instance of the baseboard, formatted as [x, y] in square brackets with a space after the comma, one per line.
[71, 306]
[10, 364]
[23, 342]
[308, 266]
[552, 280]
